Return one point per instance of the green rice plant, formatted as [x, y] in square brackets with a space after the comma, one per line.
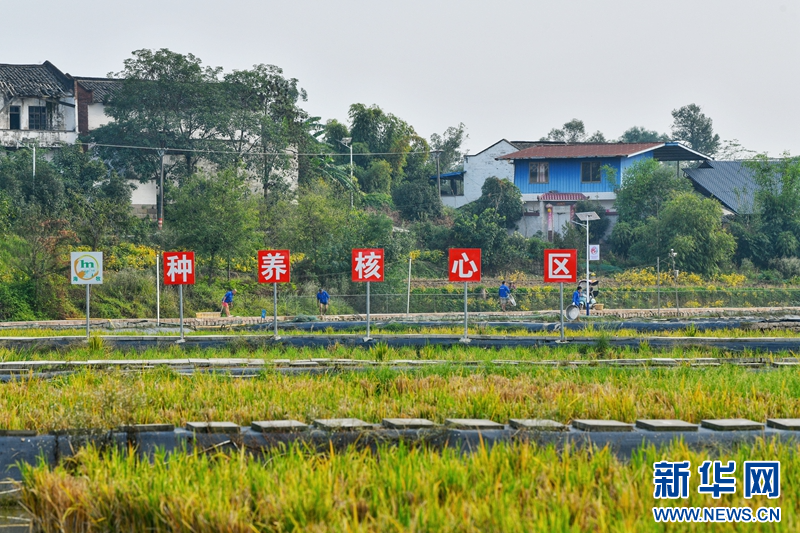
[517, 487]
[380, 352]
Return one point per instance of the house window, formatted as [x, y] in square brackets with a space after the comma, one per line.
[453, 186]
[590, 172]
[37, 117]
[539, 173]
[14, 118]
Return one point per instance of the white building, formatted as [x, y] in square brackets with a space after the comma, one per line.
[462, 187]
[37, 106]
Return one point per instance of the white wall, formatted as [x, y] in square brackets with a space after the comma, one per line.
[480, 166]
[97, 116]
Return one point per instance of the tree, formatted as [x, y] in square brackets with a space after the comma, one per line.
[692, 226]
[597, 228]
[98, 200]
[417, 200]
[696, 129]
[451, 158]
[377, 177]
[485, 231]
[637, 134]
[597, 137]
[572, 132]
[262, 121]
[777, 204]
[215, 215]
[165, 99]
[503, 197]
[647, 186]
[377, 132]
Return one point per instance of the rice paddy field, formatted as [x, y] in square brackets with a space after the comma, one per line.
[510, 486]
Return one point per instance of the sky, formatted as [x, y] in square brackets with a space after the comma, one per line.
[506, 69]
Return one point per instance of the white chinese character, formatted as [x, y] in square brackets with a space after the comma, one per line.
[458, 266]
[273, 265]
[178, 267]
[368, 265]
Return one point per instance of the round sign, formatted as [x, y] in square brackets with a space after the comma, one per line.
[86, 267]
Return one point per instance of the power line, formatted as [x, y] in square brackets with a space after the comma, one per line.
[195, 150]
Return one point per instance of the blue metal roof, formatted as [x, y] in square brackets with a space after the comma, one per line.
[730, 182]
[458, 174]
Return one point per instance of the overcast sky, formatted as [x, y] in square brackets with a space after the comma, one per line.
[506, 69]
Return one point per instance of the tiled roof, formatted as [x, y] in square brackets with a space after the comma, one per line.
[562, 197]
[101, 88]
[730, 182]
[44, 81]
[566, 151]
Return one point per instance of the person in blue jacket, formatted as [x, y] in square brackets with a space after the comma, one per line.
[322, 299]
[576, 297]
[227, 301]
[503, 293]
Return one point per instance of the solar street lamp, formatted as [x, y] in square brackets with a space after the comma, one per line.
[587, 217]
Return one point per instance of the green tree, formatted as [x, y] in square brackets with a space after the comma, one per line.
[215, 215]
[503, 197]
[572, 132]
[261, 121]
[638, 134]
[376, 132]
[98, 200]
[692, 226]
[597, 228]
[377, 177]
[165, 99]
[647, 186]
[696, 129]
[417, 200]
[452, 157]
[485, 231]
[777, 206]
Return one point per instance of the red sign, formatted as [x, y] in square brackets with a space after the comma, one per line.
[464, 264]
[273, 266]
[367, 264]
[179, 268]
[560, 266]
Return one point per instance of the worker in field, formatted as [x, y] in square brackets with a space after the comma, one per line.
[504, 292]
[322, 299]
[227, 301]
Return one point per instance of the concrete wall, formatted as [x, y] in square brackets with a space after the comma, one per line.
[62, 122]
[480, 166]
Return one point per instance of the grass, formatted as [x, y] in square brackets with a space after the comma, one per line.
[383, 354]
[94, 399]
[510, 488]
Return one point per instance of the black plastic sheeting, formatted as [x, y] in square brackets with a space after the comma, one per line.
[53, 448]
[139, 343]
[643, 326]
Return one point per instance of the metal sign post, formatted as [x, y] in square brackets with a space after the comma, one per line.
[561, 266]
[466, 330]
[275, 311]
[179, 270]
[87, 310]
[464, 264]
[367, 337]
[86, 268]
[180, 295]
[561, 298]
[274, 267]
[366, 264]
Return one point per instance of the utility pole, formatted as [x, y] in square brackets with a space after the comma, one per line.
[161, 192]
[438, 153]
[348, 142]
